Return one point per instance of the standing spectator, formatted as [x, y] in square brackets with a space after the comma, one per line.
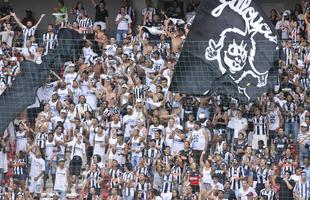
[175, 10]
[77, 157]
[268, 192]
[123, 22]
[283, 26]
[246, 191]
[199, 140]
[286, 186]
[302, 187]
[3, 161]
[148, 11]
[291, 117]
[304, 143]
[36, 173]
[49, 39]
[275, 120]
[130, 11]
[101, 15]
[7, 35]
[62, 12]
[260, 129]
[62, 179]
[85, 23]
[28, 30]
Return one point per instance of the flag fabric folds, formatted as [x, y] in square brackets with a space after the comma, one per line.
[231, 49]
[23, 91]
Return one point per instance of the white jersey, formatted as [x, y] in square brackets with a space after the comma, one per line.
[63, 95]
[37, 166]
[50, 150]
[53, 106]
[136, 146]
[274, 120]
[21, 141]
[130, 121]
[60, 138]
[99, 145]
[92, 132]
[91, 99]
[112, 143]
[177, 145]
[119, 153]
[168, 132]
[77, 149]
[199, 140]
[69, 77]
[61, 181]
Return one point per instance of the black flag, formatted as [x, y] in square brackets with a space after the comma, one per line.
[231, 49]
[23, 91]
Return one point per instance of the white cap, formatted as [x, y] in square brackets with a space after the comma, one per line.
[201, 116]
[179, 127]
[139, 100]
[129, 107]
[63, 111]
[124, 86]
[304, 124]
[13, 59]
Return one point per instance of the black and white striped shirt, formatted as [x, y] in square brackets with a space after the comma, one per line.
[262, 175]
[304, 82]
[41, 140]
[167, 183]
[139, 91]
[270, 194]
[128, 177]
[260, 125]
[288, 55]
[28, 33]
[86, 25]
[93, 178]
[19, 170]
[235, 173]
[143, 187]
[49, 41]
[302, 189]
[177, 174]
[166, 159]
[114, 174]
[290, 108]
[151, 154]
[141, 170]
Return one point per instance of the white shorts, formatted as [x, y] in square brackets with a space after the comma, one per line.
[35, 186]
[102, 25]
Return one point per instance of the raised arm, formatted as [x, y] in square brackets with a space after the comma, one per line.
[5, 18]
[94, 3]
[13, 14]
[37, 24]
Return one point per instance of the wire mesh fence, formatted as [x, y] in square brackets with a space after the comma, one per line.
[72, 101]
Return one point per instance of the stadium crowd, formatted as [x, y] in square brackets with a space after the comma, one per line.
[107, 127]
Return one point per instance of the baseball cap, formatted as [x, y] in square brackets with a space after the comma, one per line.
[202, 116]
[61, 160]
[63, 111]
[304, 124]
[124, 86]
[139, 100]
[179, 127]
[13, 59]
[129, 107]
